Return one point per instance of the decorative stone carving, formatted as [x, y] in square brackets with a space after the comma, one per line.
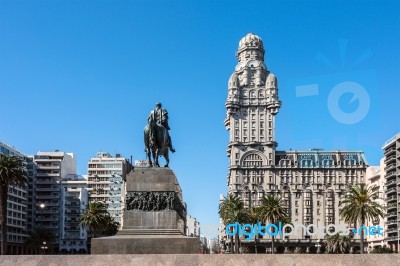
[154, 201]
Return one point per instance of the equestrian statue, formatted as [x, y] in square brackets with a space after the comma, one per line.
[157, 140]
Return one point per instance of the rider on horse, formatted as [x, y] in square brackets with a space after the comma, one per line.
[160, 115]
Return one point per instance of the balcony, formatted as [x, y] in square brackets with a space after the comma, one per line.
[390, 174]
[390, 166]
[391, 231]
[47, 196]
[391, 214]
[391, 238]
[47, 204]
[48, 174]
[390, 158]
[391, 198]
[46, 182]
[391, 222]
[48, 219]
[44, 189]
[390, 190]
[48, 167]
[390, 151]
[391, 206]
[392, 182]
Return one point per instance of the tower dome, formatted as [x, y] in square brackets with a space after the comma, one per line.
[250, 41]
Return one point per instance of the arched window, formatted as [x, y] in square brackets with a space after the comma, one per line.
[252, 160]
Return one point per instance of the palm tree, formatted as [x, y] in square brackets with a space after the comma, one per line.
[231, 210]
[112, 226]
[253, 216]
[12, 173]
[94, 219]
[360, 206]
[337, 243]
[272, 210]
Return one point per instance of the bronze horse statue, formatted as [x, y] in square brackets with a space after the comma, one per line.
[156, 141]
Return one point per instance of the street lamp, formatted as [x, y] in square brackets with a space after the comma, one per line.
[44, 247]
[318, 246]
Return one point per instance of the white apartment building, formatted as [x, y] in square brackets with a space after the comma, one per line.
[47, 201]
[74, 202]
[392, 181]
[106, 175]
[375, 178]
[192, 226]
[16, 208]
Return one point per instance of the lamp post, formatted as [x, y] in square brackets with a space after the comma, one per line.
[318, 246]
[44, 247]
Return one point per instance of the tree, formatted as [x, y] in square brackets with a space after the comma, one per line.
[112, 226]
[231, 210]
[95, 218]
[37, 237]
[360, 206]
[253, 216]
[272, 210]
[337, 244]
[12, 173]
[380, 250]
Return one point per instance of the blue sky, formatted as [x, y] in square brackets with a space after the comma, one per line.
[82, 76]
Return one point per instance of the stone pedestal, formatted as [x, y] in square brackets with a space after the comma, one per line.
[154, 220]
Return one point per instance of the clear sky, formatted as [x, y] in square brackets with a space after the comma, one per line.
[82, 77]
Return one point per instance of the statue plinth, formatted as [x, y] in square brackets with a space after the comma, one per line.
[154, 219]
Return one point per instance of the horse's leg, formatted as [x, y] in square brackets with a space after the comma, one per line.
[148, 152]
[155, 157]
[147, 145]
[166, 156]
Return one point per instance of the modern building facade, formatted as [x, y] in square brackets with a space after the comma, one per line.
[16, 208]
[310, 182]
[74, 202]
[106, 175]
[192, 226]
[51, 168]
[376, 180]
[392, 180]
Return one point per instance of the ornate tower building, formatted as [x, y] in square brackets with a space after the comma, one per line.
[251, 107]
[311, 182]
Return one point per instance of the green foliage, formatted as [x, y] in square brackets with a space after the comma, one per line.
[360, 206]
[337, 244]
[12, 173]
[231, 210]
[111, 227]
[96, 219]
[272, 210]
[380, 250]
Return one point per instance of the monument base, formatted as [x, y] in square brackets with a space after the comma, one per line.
[154, 221]
[146, 244]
